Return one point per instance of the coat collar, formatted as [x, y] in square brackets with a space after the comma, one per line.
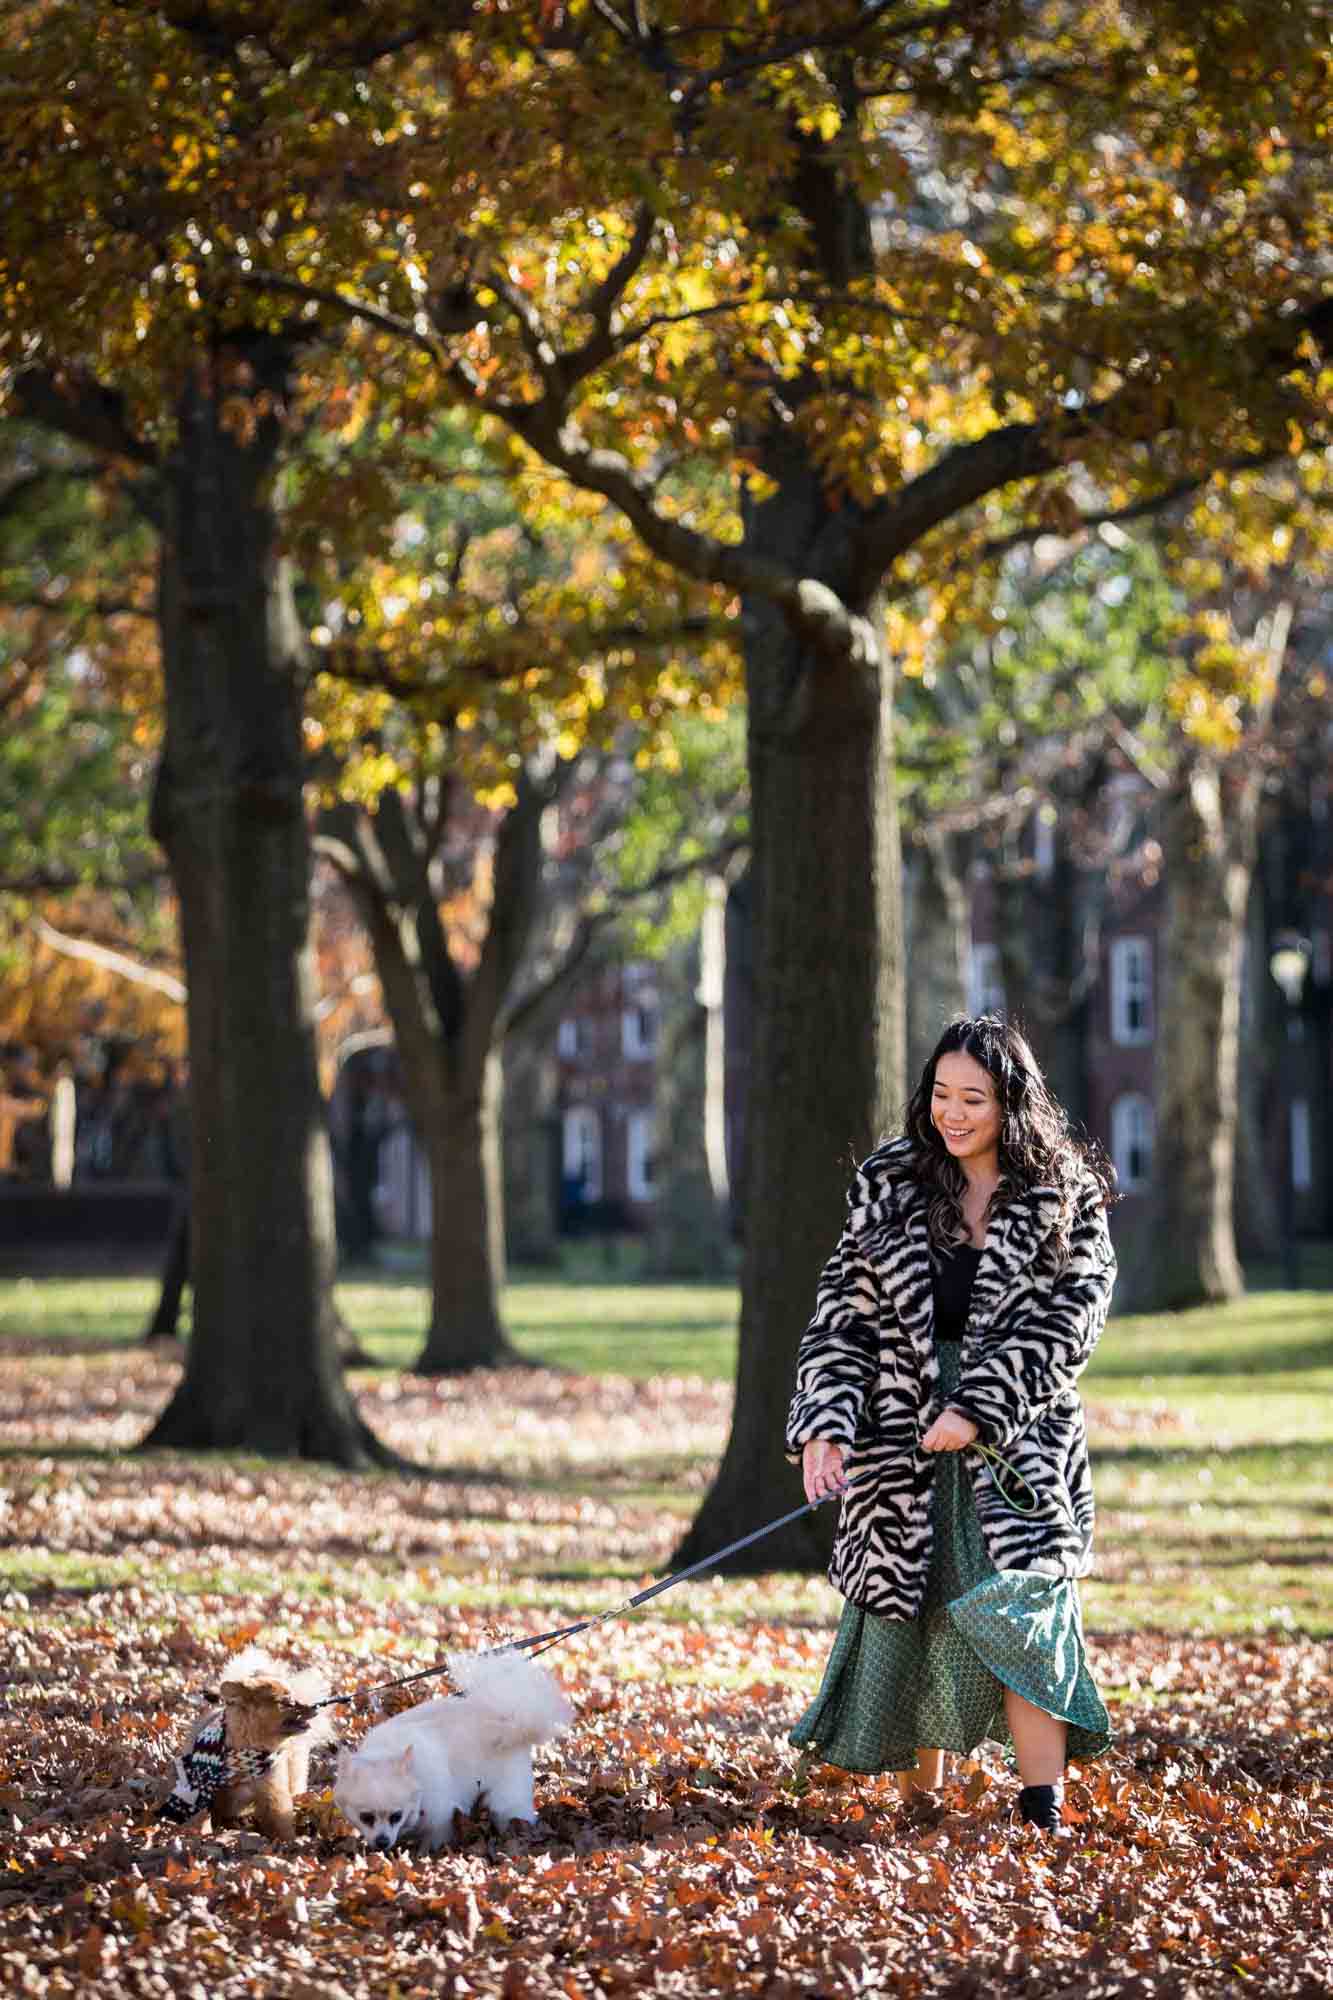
[1013, 1241]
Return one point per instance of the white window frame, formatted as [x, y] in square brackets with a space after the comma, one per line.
[639, 1162]
[1302, 1157]
[1133, 1134]
[1131, 991]
[582, 1149]
[985, 988]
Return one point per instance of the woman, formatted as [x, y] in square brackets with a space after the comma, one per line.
[935, 1392]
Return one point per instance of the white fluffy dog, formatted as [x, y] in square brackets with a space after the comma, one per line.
[412, 1773]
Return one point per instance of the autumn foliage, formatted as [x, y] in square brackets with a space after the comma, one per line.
[673, 1854]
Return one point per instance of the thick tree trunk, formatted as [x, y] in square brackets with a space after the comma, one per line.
[689, 1236]
[262, 1372]
[461, 1129]
[938, 936]
[1208, 861]
[828, 1036]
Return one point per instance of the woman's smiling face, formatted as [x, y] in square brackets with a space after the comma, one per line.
[965, 1110]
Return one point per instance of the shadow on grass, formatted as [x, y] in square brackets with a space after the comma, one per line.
[1161, 1458]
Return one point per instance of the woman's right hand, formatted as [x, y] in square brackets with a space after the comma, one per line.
[821, 1468]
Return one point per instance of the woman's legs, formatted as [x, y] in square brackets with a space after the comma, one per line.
[1039, 1744]
[1039, 1740]
[927, 1777]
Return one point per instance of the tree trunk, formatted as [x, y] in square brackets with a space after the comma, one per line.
[1065, 904]
[461, 1133]
[447, 1030]
[529, 1154]
[689, 1236]
[828, 1038]
[1256, 1210]
[165, 1321]
[1208, 861]
[262, 1372]
[938, 937]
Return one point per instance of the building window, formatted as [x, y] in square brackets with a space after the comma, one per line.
[985, 989]
[638, 1037]
[1131, 1142]
[583, 1153]
[569, 1039]
[641, 1173]
[1131, 991]
[1302, 1174]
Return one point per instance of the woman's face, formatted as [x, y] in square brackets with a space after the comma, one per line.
[965, 1110]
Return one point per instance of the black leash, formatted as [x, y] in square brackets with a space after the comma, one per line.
[543, 1641]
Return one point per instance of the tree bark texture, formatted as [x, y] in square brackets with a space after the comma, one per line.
[938, 927]
[262, 1372]
[530, 1150]
[1256, 1207]
[689, 1235]
[462, 1135]
[827, 1057]
[1209, 818]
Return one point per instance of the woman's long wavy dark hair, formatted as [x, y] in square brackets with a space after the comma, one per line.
[1037, 1146]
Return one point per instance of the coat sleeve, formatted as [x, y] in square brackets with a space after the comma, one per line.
[1009, 1386]
[838, 1357]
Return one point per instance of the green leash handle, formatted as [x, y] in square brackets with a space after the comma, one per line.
[994, 1459]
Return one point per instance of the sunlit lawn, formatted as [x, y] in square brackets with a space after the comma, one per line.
[1213, 1430]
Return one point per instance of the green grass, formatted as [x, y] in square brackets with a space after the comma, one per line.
[597, 1326]
[1213, 1429]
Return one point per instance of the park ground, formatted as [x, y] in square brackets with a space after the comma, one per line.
[674, 1855]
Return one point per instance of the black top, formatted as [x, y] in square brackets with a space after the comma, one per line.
[951, 1289]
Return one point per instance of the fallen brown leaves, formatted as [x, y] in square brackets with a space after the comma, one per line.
[673, 1855]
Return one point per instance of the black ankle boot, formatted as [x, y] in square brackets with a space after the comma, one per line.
[1040, 1805]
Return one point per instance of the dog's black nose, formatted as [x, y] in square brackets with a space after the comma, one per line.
[382, 1840]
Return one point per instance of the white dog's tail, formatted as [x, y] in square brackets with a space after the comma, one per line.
[516, 1702]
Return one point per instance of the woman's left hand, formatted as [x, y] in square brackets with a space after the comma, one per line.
[950, 1432]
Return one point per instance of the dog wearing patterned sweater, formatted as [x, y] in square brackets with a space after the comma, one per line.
[252, 1748]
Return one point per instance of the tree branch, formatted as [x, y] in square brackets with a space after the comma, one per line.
[967, 473]
[415, 332]
[81, 408]
[110, 961]
[866, 18]
[18, 490]
[1137, 510]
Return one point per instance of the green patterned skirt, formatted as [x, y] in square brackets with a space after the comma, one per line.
[939, 1679]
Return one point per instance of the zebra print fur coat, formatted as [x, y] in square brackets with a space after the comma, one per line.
[867, 1378]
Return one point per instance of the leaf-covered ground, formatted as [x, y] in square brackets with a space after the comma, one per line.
[673, 1855]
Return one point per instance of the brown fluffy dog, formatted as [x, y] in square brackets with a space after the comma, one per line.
[265, 1704]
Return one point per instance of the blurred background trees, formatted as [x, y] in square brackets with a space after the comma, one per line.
[489, 387]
